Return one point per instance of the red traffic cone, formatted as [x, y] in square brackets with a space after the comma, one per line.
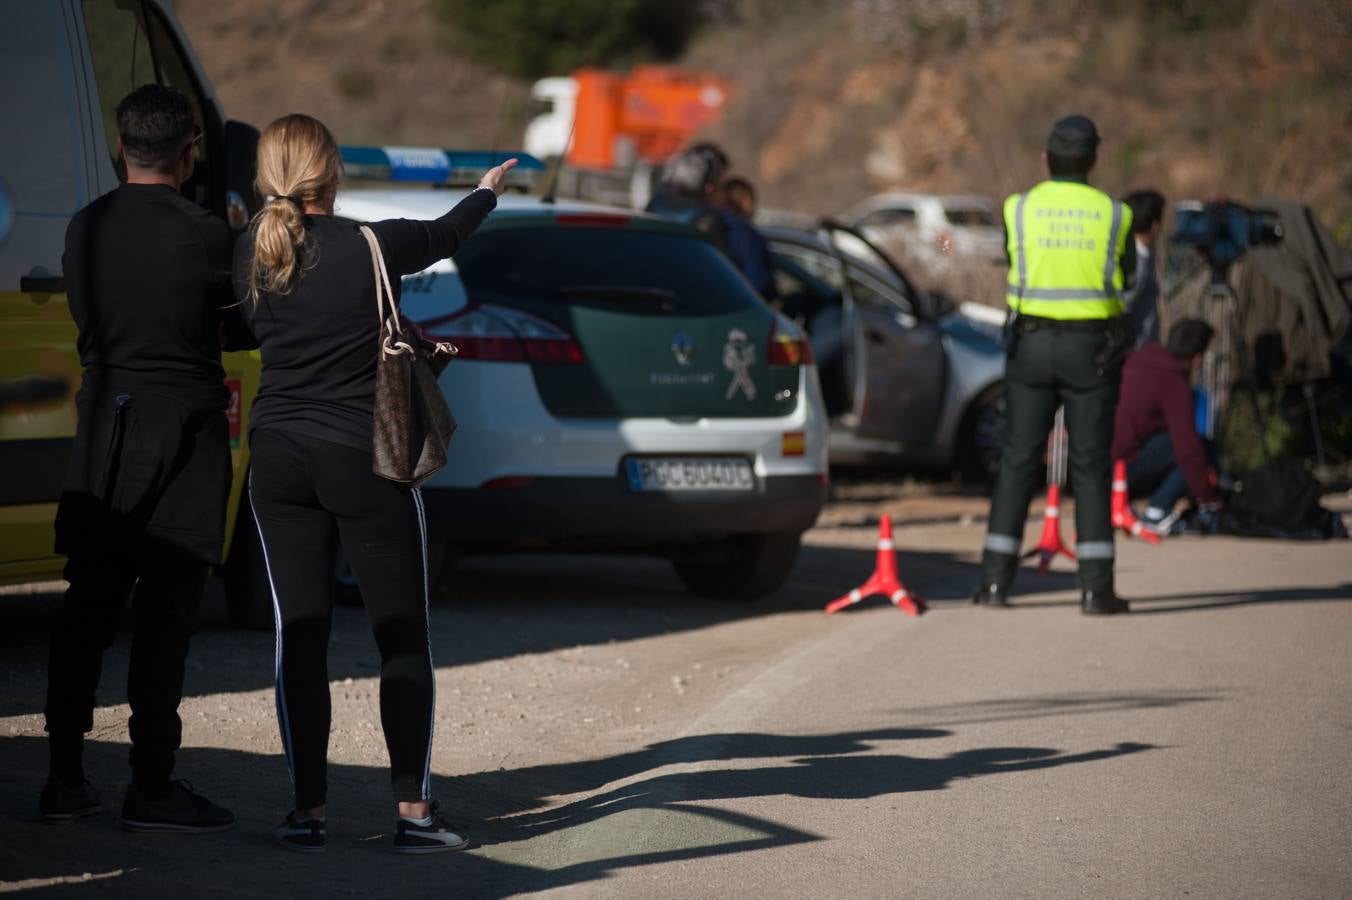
[1123, 517]
[1050, 544]
[884, 579]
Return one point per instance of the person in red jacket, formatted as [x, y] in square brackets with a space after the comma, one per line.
[1155, 429]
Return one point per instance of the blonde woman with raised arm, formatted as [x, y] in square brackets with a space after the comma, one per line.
[306, 282]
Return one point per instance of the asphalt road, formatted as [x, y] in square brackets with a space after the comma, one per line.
[601, 734]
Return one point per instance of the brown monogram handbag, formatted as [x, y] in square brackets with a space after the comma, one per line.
[413, 425]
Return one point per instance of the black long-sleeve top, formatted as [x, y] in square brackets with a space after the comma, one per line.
[320, 341]
[148, 283]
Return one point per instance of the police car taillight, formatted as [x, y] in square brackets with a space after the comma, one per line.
[788, 346]
[489, 333]
[593, 220]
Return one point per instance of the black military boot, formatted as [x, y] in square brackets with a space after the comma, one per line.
[992, 595]
[1102, 603]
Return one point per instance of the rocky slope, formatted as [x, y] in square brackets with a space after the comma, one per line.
[834, 101]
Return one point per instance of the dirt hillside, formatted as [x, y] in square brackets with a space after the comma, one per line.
[835, 101]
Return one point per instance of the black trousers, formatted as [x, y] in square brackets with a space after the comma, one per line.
[1052, 366]
[166, 594]
[308, 495]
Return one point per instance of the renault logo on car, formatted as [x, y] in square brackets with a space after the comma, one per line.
[683, 348]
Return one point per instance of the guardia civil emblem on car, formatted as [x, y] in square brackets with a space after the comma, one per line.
[738, 357]
[682, 348]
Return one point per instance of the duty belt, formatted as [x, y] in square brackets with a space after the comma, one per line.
[1026, 323]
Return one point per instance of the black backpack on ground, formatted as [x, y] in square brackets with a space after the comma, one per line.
[1279, 499]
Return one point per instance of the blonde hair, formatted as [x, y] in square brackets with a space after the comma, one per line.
[298, 166]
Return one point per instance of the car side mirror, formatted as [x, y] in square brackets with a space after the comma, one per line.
[241, 157]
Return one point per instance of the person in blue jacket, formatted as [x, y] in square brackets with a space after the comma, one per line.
[746, 247]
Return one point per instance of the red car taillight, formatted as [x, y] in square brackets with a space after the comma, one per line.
[496, 334]
[789, 349]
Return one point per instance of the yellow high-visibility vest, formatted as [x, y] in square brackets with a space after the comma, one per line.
[1066, 242]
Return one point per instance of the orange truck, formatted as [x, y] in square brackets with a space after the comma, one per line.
[608, 121]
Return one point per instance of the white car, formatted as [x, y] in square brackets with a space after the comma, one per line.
[935, 225]
[619, 387]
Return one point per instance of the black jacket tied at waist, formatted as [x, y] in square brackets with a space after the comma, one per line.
[149, 474]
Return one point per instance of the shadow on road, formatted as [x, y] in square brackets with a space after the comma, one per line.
[1226, 599]
[490, 608]
[501, 607]
[648, 821]
[1018, 708]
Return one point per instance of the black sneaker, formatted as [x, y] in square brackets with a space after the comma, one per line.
[1103, 603]
[181, 811]
[430, 835]
[62, 803]
[302, 835]
[992, 596]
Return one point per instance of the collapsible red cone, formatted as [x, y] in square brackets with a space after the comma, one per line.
[1123, 517]
[1050, 543]
[884, 579]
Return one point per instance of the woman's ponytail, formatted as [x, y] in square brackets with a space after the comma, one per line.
[298, 166]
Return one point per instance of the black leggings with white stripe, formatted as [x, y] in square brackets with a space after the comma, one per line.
[308, 494]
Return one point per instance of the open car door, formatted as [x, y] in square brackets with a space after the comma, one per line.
[895, 359]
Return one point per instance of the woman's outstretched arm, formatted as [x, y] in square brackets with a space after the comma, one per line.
[411, 245]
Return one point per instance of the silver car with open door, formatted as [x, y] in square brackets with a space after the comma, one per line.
[910, 380]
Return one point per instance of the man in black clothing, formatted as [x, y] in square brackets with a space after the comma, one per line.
[142, 514]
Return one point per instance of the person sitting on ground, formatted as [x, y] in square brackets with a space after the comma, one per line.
[746, 247]
[1155, 430]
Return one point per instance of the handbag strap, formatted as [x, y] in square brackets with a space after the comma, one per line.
[390, 326]
[389, 322]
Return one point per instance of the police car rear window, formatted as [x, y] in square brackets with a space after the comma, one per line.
[635, 271]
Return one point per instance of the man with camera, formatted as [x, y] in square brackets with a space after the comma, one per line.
[1071, 257]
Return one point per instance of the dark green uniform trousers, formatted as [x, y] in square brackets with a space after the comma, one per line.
[1053, 364]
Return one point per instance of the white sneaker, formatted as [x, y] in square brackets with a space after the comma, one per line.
[430, 835]
[1160, 521]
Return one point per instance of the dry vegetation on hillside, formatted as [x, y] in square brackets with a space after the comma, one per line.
[834, 101]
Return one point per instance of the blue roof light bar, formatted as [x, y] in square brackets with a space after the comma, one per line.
[431, 165]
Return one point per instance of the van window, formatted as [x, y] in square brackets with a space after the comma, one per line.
[868, 291]
[971, 217]
[890, 217]
[130, 46]
[539, 106]
[120, 51]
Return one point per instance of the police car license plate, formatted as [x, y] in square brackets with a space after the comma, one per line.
[690, 474]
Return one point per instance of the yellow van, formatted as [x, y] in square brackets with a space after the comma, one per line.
[64, 65]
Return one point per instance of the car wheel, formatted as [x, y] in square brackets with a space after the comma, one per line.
[739, 569]
[981, 441]
[248, 595]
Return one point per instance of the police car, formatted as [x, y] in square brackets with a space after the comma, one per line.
[619, 385]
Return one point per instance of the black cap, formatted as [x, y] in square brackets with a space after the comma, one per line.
[1073, 136]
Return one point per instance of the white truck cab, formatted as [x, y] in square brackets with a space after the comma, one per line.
[550, 112]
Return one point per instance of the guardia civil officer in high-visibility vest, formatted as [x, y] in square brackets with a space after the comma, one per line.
[1070, 256]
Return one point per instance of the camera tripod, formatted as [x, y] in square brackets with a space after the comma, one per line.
[1223, 356]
